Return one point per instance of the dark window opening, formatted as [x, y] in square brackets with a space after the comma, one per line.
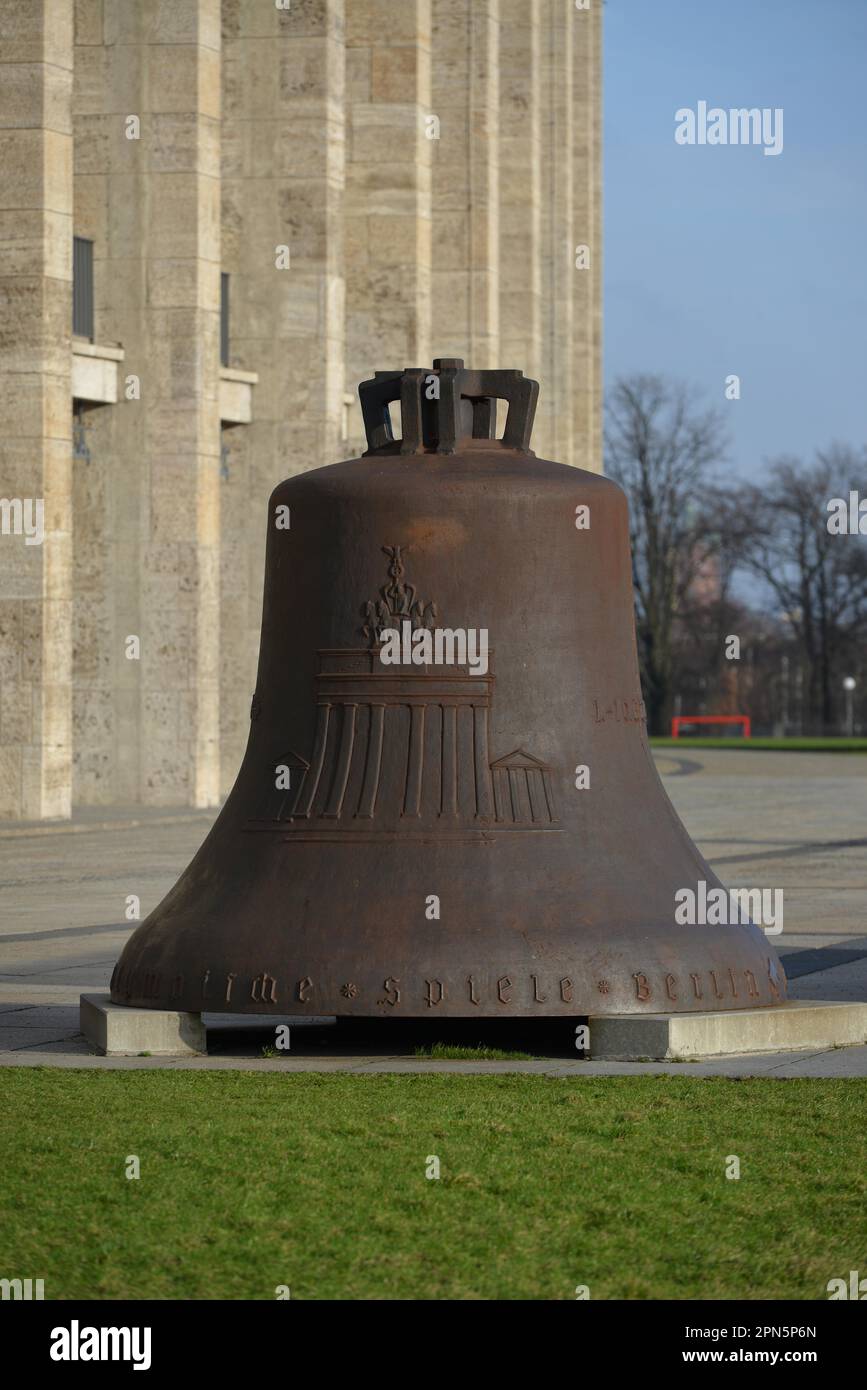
[224, 319]
[80, 446]
[82, 287]
[224, 456]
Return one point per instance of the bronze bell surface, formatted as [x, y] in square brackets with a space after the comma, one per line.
[448, 803]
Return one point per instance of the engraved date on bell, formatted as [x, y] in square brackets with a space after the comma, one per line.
[620, 711]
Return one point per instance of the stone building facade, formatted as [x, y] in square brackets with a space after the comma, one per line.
[267, 199]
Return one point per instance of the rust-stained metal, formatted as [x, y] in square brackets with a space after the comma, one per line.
[476, 832]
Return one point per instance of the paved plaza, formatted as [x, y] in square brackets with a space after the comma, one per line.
[795, 821]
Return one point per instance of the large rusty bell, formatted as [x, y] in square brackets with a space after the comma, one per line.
[447, 805]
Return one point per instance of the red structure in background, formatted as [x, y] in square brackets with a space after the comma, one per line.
[711, 719]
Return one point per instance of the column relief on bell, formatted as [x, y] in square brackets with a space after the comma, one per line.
[402, 746]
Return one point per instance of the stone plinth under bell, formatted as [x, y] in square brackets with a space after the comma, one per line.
[118, 1030]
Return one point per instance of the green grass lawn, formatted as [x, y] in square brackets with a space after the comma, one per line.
[251, 1179]
[776, 745]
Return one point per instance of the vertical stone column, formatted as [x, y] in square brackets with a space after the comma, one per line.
[147, 501]
[110, 483]
[553, 434]
[180, 389]
[282, 185]
[387, 224]
[520, 187]
[465, 255]
[587, 229]
[35, 417]
[596, 460]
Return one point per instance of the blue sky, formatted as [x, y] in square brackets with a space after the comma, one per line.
[720, 259]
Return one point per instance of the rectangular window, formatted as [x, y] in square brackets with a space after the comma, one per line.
[82, 287]
[224, 319]
[80, 448]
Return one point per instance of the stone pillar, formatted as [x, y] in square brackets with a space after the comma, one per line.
[587, 229]
[180, 390]
[35, 419]
[520, 187]
[387, 225]
[283, 186]
[110, 488]
[553, 434]
[465, 255]
[147, 145]
[596, 460]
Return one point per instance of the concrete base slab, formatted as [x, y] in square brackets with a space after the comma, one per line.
[797, 1025]
[118, 1031]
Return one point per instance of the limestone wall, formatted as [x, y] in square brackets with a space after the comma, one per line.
[36, 195]
[383, 181]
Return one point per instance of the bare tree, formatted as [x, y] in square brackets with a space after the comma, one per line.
[817, 580]
[662, 447]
